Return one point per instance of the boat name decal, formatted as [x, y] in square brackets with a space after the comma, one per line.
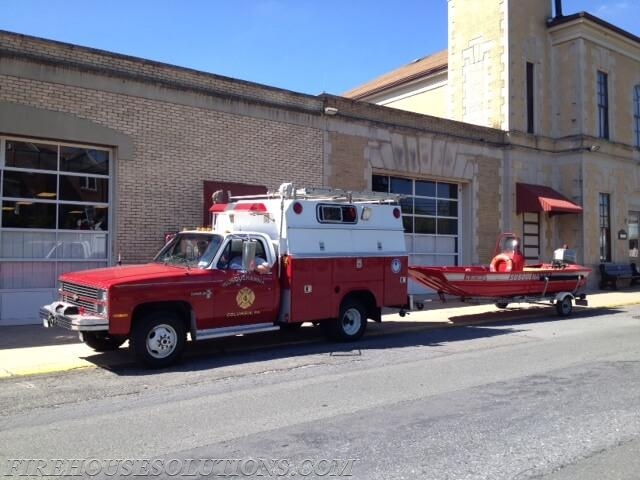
[475, 276]
[514, 276]
[522, 276]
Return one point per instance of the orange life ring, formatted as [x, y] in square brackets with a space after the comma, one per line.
[498, 261]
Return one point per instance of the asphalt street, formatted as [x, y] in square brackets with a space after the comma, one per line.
[548, 397]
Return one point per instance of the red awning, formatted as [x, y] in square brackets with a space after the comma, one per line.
[538, 198]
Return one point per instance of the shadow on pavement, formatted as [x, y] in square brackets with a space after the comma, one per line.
[309, 340]
[25, 336]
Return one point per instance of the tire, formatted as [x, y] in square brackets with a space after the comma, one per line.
[564, 306]
[158, 339]
[502, 305]
[351, 322]
[102, 342]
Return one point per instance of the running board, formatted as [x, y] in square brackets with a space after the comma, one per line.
[232, 331]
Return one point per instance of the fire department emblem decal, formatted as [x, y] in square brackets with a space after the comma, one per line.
[245, 297]
[396, 265]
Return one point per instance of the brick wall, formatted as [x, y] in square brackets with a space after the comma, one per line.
[348, 167]
[176, 146]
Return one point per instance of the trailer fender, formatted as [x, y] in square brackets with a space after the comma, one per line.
[564, 303]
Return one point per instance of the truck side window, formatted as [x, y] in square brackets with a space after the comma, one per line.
[223, 261]
[260, 251]
[329, 213]
[232, 255]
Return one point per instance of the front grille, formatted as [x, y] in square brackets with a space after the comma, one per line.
[81, 290]
[81, 296]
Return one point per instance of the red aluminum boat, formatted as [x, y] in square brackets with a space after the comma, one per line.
[507, 278]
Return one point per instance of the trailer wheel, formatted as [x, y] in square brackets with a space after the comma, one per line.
[564, 306]
[502, 305]
[351, 322]
[158, 339]
[101, 342]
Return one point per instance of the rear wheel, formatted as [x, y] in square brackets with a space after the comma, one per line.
[351, 322]
[158, 339]
[102, 342]
[564, 306]
[502, 305]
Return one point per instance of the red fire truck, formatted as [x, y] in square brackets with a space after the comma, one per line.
[329, 257]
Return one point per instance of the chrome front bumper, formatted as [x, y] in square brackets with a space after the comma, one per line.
[64, 315]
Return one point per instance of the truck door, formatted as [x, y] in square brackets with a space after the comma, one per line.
[244, 297]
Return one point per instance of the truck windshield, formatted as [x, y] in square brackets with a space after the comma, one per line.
[190, 250]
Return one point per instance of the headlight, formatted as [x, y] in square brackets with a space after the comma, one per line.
[102, 297]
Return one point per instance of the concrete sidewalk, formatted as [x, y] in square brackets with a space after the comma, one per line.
[33, 349]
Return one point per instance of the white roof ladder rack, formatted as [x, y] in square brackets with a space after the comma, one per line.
[335, 194]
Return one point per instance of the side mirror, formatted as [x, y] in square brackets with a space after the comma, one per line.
[249, 255]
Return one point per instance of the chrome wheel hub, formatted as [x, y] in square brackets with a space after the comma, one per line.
[161, 341]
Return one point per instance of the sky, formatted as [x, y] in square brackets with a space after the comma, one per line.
[307, 46]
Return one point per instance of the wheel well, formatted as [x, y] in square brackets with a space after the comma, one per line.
[181, 309]
[368, 300]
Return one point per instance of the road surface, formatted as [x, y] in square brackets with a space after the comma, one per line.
[543, 398]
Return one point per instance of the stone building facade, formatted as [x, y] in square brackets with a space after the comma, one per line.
[565, 89]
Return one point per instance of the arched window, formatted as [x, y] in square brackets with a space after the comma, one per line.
[636, 113]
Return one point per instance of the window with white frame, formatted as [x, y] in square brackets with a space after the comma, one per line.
[55, 210]
[430, 215]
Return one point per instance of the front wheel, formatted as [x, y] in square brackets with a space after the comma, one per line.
[158, 339]
[102, 342]
[502, 305]
[564, 306]
[351, 322]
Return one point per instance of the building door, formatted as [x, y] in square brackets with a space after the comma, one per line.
[55, 218]
[531, 236]
[431, 217]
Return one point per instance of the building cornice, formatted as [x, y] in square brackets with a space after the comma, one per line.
[585, 26]
[592, 18]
